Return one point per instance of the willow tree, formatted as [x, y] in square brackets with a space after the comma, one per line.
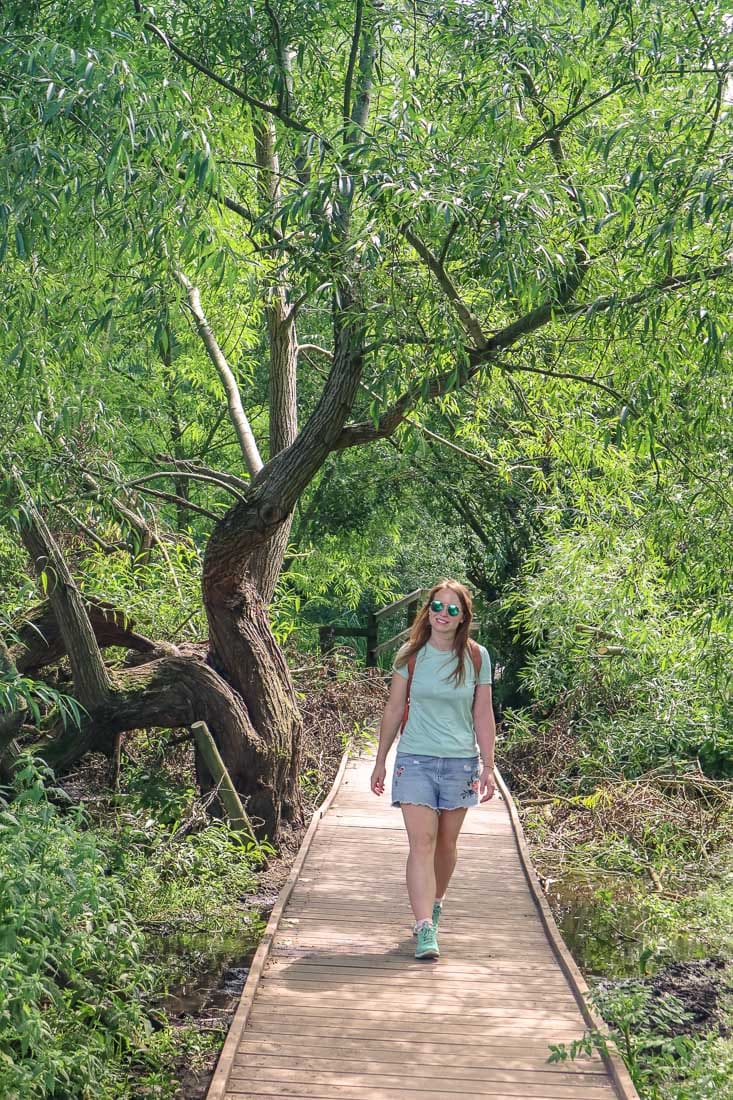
[417, 199]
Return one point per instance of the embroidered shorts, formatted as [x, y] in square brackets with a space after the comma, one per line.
[440, 782]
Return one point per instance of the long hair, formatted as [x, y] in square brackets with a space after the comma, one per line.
[420, 632]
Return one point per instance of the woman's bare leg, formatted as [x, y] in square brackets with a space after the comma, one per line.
[446, 852]
[422, 829]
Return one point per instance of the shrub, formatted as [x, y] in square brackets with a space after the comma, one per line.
[72, 983]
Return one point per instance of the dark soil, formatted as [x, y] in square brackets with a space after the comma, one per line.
[701, 986]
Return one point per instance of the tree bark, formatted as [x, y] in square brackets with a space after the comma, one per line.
[10, 721]
[91, 678]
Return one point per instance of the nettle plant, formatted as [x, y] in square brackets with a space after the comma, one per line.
[72, 984]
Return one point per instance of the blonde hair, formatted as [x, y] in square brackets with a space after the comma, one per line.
[420, 632]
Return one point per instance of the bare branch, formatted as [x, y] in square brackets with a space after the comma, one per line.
[237, 208]
[585, 379]
[468, 320]
[108, 547]
[671, 283]
[148, 537]
[315, 347]
[242, 428]
[366, 432]
[181, 502]
[483, 462]
[237, 484]
[353, 54]
[557, 127]
[196, 475]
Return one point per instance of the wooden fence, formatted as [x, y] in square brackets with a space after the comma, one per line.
[410, 604]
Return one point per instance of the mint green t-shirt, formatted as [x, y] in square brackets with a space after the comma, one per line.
[440, 722]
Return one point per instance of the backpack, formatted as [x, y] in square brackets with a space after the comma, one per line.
[475, 654]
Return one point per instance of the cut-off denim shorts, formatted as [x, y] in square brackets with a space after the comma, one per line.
[440, 782]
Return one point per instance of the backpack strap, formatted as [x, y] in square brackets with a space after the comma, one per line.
[475, 650]
[410, 674]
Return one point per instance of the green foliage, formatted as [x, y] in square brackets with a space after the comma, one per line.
[663, 1064]
[78, 986]
[45, 704]
[623, 656]
[641, 1029]
[567, 168]
[72, 984]
[202, 877]
[161, 595]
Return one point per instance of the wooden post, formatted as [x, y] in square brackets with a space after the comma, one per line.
[372, 637]
[225, 789]
[326, 638]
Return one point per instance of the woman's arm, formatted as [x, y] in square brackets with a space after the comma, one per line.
[388, 728]
[485, 727]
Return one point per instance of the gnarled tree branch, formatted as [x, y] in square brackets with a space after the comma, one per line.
[92, 682]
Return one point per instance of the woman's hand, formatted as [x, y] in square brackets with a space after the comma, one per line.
[486, 784]
[377, 781]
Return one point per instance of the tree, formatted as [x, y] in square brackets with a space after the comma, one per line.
[420, 199]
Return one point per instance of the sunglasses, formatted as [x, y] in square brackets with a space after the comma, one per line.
[438, 605]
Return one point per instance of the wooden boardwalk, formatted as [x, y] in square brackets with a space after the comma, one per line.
[337, 1008]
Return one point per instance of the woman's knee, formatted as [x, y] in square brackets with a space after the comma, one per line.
[422, 843]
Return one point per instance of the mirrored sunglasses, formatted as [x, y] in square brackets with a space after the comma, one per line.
[438, 605]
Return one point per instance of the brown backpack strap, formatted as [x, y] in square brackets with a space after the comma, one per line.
[410, 674]
[475, 650]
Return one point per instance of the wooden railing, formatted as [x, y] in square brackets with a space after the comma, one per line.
[328, 634]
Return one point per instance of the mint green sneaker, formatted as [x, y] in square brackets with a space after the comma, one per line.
[427, 945]
[437, 910]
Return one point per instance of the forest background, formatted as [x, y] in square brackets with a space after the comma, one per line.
[306, 305]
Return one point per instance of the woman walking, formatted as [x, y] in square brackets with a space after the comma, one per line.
[440, 698]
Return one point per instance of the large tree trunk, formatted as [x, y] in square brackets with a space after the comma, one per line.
[245, 653]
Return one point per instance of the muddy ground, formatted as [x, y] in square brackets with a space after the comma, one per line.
[702, 986]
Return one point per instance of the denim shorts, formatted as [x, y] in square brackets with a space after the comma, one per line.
[440, 782]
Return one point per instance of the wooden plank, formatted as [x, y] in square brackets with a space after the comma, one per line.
[292, 1022]
[498, 1058]
[243, 1090]
[620, 1076]
[539, 957]
[483, 1083]
[399, 958]
[435, 1003]
[531, 1050]
[518, 936]
[218, 1086]
[390, 608]
[364, 981]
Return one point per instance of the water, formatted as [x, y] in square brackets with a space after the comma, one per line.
[209, 969]
[211, 990]
[603, 927]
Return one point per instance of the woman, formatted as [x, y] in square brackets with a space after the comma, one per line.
[437, 774]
